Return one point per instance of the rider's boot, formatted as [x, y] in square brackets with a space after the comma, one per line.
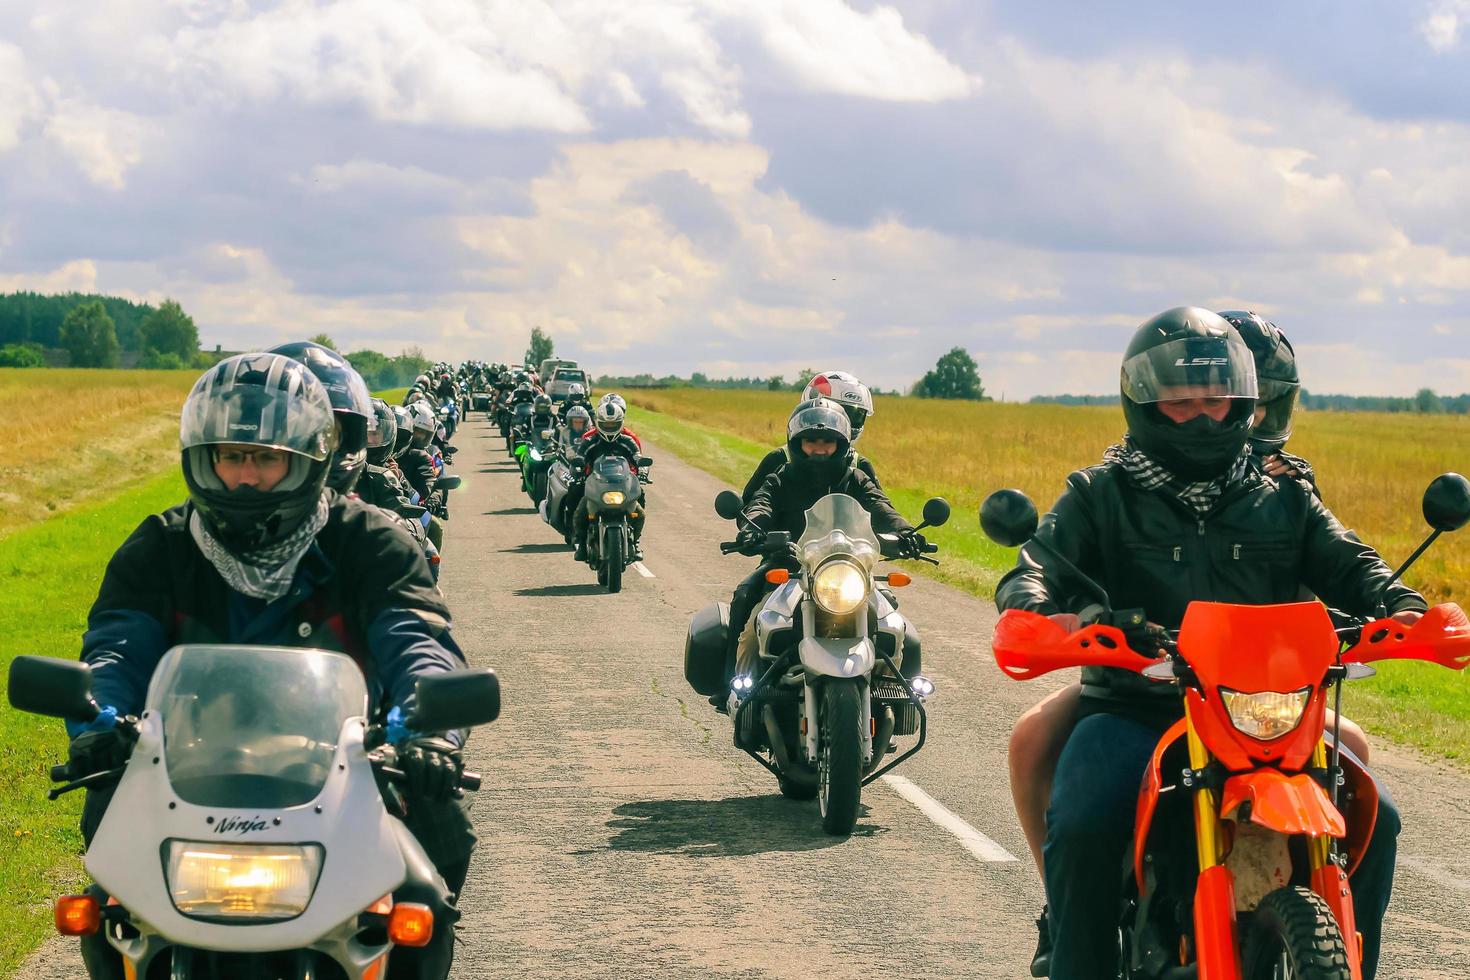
[1041, 961]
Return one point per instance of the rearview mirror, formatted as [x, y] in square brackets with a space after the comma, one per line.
[56, 688]
[1008, 517]
[936, 512]
[644, 462]
[458, 699]
[1447, 502]
[447, 483]
[728, 504]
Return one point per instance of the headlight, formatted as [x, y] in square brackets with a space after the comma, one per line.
[840, 587]
[612, 497]
[1267, 714]
[242, 881]
[547, 433]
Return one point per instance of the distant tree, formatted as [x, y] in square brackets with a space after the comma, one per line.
[164, 361]
[803, 376]
[1425, 400]
[698, 379]
[374, 366]
[169, 330]
[324, 340]
[89, 335]
[21, 356]
[955, 375]
[776, 382]
[541, 347]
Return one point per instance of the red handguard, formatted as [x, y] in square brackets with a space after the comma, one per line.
[1028, 644]
[1441, 636]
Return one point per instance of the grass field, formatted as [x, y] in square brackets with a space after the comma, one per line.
[1372, 469]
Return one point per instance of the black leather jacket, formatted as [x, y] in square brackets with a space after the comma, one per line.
[1261, 543]
[783, 500]
[777, 458]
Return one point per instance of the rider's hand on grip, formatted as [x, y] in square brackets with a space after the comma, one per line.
[748, 542]
[93, 752]
[432, 766]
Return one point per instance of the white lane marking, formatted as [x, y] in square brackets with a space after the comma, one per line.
[982, 847]
[642, 570]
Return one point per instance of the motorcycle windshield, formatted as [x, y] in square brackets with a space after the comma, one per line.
[838, 524]
[251, 727]
[611, 469]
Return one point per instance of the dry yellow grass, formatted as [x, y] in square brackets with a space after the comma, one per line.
[78, 435]
[1372, 468]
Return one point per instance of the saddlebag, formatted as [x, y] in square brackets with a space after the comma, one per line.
[705, 649]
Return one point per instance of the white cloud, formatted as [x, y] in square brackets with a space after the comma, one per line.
[77, 276]
[1442, 24]
[105, 143]
[20, 100]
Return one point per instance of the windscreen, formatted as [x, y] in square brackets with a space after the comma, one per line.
[838, 512]
[253, 726]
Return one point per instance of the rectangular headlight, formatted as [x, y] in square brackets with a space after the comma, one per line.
[1266, 714]
[613, 497]
[242, 881]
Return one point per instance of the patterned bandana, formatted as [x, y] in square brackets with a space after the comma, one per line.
[1146, 473]
[267, 572]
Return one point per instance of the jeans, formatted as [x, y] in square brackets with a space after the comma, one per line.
[1089, 826]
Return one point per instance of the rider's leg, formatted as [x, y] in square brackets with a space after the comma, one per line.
[438, 843]
[742, 603]
[1036, 744]
[637, 522]
[748, 653]
[101, 960]
[1094, 795]
[579, 529]
[1373, 880]
[1354, 739]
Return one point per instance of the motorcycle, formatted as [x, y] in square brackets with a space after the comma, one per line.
[563, 493]
[449, 418]
[830, 695]
[252, 828]
[519, 428]
[1248, 824]
[614, 495]
[501, 412]
[535, 457]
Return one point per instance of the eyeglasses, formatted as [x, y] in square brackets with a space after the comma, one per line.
[263, 458]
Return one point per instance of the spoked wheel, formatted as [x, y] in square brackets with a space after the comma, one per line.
[840, 759]
[612, 561]
[1294, 936]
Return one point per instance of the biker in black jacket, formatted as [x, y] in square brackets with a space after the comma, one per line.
[1175, 514]
[819, 441]
[857, 404]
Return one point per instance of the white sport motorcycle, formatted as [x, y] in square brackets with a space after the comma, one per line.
[248, 835]
[830, 695]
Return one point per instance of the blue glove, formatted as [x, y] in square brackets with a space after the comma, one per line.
[398, 730]
[105, 721]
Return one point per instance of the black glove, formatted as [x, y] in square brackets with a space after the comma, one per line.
[432, 765]
[749, 541]
[916, 543]
[93, 752]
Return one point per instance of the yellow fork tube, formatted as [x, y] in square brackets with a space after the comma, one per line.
[1318, 848]
[1206, 808]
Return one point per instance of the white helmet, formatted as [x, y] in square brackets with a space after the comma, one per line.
[854, 397]
[609, 417]
[423, 418]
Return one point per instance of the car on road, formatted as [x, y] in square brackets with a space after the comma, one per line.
[562, 380]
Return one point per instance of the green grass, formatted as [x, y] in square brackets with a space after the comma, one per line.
[49, 574]
[1419, 704]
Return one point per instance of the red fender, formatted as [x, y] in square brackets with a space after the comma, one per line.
[1289, 805]
[1148, 797]
[1329, 882]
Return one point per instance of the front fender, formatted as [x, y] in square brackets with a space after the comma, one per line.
[845, 657]
[1289, 805]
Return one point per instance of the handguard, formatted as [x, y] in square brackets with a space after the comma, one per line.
[1028, 644]
[1441, 636]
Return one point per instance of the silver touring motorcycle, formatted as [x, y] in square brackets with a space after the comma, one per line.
[248, 835]
[830, 696]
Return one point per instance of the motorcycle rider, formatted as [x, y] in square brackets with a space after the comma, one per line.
[263, 552]
[419, 469]
[609, 435]
[1183, 474]
[543, 416]
[576, 395]
[351, 404]
[382, 483]
[576, 423]
[1279, 383]
[819, 441]
[856, 401]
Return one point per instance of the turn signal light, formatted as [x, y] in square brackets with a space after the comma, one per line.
[898, 579]
[78, 915]
[778, 576]
[411, 924]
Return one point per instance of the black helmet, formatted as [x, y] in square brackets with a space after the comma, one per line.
[265, 400]
[542, 405]
[403, 434]
[1188, 352]
[382, 433]
[350, 402]
[1276, 378]
[819, 418]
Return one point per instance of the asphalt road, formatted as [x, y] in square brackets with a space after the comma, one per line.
[622, 834]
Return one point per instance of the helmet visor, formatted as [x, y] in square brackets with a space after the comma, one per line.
[610, 426]
[819, 422]
[261, 400]
[1275, 423]
[1191, 367]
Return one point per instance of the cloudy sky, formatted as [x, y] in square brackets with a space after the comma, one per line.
[756, 186]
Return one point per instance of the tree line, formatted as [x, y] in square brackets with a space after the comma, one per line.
[1424, 402]
[94, 330]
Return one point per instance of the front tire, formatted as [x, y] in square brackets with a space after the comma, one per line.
[612, 560]
[840, 763]
[1294, 936]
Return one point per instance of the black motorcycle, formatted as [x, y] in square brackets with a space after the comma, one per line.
[614, 495]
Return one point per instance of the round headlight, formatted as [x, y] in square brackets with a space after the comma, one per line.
[840, 587]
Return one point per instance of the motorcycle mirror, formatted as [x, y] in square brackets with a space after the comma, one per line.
[728, 505]
[1008, 517]
[458, 699]
[56, 688]
[447, 483]
[936, 512]
[644, 462]
[1447, 502]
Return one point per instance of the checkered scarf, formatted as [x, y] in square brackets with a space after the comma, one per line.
[267, 572]
[1146, 473]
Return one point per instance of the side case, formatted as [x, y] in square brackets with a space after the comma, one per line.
[705, 649]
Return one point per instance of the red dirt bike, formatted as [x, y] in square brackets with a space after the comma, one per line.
[1279, 822]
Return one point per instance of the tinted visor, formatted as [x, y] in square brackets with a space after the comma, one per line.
[820, 422]
[262, 400]
[1191, 367]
